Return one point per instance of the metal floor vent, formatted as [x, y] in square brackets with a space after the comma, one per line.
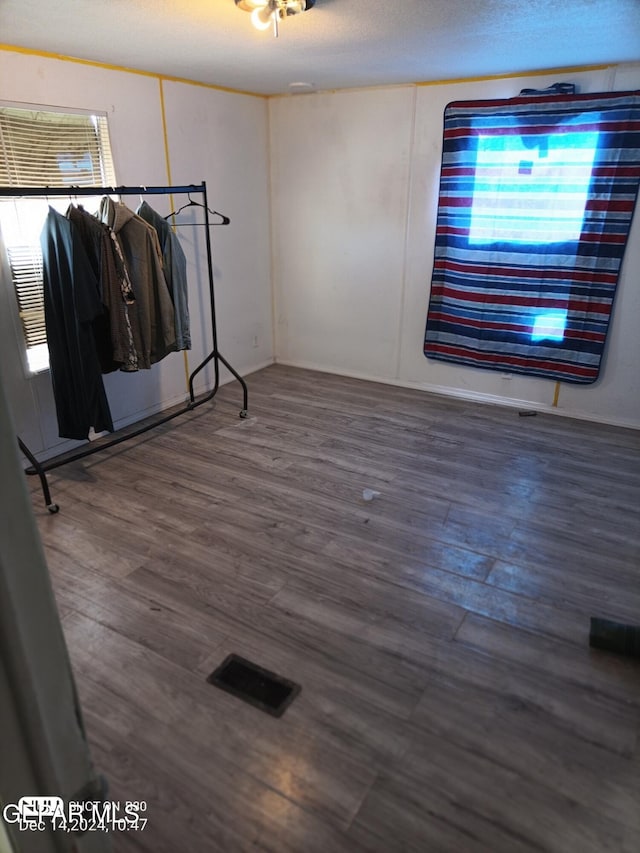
[254, 685]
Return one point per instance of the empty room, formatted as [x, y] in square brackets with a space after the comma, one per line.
[320, 426]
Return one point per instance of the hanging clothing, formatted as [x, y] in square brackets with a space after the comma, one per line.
[152, 321]
[72, 304]
[175, 271]
[114, 338]
[100, 324]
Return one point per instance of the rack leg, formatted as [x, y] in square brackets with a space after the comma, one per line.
[39, 470]
[215, 356]
[244, 412]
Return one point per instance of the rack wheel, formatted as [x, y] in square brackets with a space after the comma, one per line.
[53, 508]
[244, 413]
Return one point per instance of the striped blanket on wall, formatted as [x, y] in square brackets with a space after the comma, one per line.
[536, 199]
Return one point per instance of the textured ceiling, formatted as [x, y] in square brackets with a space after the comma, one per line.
[336, 44]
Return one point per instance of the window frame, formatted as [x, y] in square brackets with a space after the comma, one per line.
[23, 259]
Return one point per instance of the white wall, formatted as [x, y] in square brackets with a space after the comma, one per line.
[223, 137]
[212, 135]
[351, 179]
[355, 178]
[340, 183]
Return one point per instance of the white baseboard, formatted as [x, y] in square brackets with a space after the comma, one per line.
[65, 446]
[464, 394]
[253, 368]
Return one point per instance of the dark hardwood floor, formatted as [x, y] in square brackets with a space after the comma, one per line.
[450, 700]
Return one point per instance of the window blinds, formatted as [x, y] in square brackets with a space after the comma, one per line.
[25, 263]
[52, 149]
[40, 148]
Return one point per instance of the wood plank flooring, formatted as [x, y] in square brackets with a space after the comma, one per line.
[450, 701]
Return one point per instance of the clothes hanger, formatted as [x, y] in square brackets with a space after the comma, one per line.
[192, 203]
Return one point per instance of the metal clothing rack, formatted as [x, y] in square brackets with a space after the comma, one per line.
[40, 468]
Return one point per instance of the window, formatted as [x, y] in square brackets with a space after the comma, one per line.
[536, 199]
[526, 193]
[43, 148]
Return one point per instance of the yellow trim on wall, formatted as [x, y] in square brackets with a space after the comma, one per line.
[556, 395]
[165, 136]
[453, 81]
[514, 74]
[107, 66]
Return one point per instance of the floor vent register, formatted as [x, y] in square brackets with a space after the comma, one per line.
[255, 685]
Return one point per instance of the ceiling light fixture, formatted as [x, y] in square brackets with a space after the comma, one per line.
[268, 13]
